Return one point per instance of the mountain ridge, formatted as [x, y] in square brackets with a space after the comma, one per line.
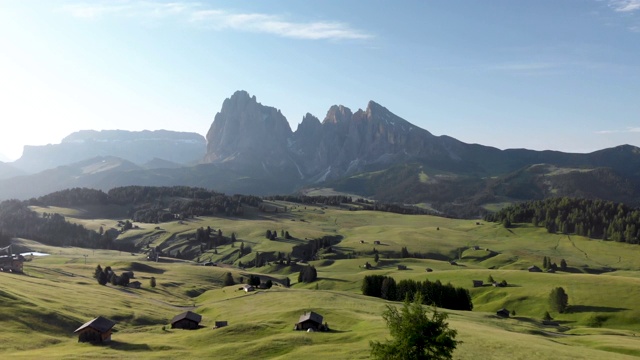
[250, 148]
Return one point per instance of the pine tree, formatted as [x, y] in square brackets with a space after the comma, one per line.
[559, 300]
[228, 279]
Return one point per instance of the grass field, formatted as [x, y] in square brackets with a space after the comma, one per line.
[41, 309]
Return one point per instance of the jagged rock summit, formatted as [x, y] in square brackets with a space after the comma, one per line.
[246, 134]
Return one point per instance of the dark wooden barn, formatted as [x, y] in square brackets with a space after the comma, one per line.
[97, 330]
[503, 313]
[186, 320]
[310, 320]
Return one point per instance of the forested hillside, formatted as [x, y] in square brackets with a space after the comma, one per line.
[592, 218]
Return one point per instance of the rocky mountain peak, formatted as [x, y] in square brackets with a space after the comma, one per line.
[246, 129]
[338, 114]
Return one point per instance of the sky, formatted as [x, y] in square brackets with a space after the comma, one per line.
[538, 74]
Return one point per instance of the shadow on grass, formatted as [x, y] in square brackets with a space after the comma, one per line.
[123, 346]
[593, 309]
[332, 279]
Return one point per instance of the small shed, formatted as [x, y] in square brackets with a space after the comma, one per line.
[97, 330]
[219, 324]
[248, 288]
[186, 320]
[134, 284]
[402, 267]
[503, 313]
[475, 247]
[310, 320]
[478, 283]
[453, 262]
[376, 242]
[534, 268]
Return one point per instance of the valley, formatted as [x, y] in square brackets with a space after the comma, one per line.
[57, 293]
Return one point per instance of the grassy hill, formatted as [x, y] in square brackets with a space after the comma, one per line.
[57, 292]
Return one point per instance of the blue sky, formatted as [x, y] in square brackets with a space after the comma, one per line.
[544, 74]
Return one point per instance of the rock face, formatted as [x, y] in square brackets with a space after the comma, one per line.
[138, 147]
[247, 134]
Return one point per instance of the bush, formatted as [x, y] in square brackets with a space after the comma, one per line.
[415, 334]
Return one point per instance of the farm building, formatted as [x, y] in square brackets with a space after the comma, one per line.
[186, 320]
[134, 284]
[503, 313]
[478, 283]
[97, 330]
[248, 288]
[310, 321]
[402, 267]
[10, 262]
[534, 268]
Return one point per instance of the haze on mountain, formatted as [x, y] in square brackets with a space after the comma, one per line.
[251, 149]
[527, 74]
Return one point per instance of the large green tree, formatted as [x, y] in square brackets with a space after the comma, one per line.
[559, 300]
[417, 334]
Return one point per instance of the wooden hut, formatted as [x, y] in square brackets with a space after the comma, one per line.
[503, 313]
[97, 330]
[534, 268]
[310, 320]
[135, 284]
[187, 320]
[248, 288]
[402, 267]
[478, 283]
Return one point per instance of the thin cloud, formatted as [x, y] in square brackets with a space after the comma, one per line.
[625, 5]
[525, 66]
[624, 131]
[217, 19]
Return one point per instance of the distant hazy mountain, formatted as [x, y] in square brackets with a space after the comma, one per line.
[138, 147]
[9, 171]
[251, 149]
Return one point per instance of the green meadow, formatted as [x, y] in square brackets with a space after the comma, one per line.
[57, 293]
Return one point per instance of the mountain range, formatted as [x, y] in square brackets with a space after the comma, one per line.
[251, 149]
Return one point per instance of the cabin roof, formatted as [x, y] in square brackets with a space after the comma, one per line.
[100, 324]
[315, 317]
[189, 315]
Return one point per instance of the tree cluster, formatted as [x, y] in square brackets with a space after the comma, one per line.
[109, 276]
[308, 274]
[155, 204]
[432, 293]
[18, 220]
[596, 219]
[335, 200]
